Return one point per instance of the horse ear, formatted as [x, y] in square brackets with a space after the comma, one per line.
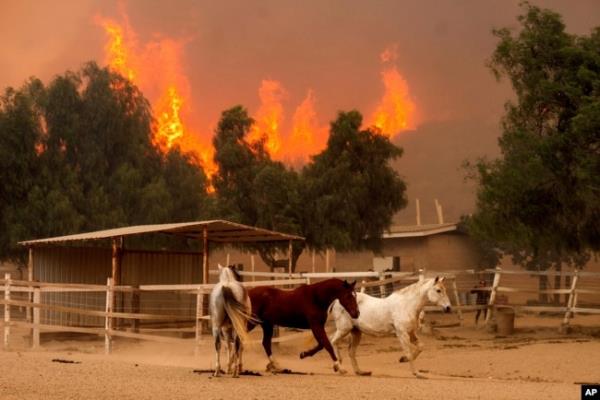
[220, 267]
[437, 278]
[353, 285]
[441, 279]
[346, 284]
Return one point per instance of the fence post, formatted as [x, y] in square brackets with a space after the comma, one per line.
[108, 318]
[199, 309]
[457, 298]
[492, 300]
[381, 277]
[6, 309]
[35, 332]
[564, 328]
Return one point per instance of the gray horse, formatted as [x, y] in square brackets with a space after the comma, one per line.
[230, 311]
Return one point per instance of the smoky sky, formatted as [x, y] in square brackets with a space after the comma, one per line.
[331, 47]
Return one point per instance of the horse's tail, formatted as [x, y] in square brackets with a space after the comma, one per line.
[237, 313]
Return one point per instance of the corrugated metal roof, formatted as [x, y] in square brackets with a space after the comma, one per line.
[418, 230]
[218, 231]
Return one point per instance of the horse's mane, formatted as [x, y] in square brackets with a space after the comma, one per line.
[412, 287]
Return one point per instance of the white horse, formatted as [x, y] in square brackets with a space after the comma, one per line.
[396, 314]
[230, 310]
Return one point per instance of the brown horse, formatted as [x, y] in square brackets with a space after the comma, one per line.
[304, 308]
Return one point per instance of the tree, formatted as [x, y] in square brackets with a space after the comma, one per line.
[350, 190]
[344, 199]
[539, 201]
[78, 155]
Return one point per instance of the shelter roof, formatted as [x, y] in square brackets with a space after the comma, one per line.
[218, 231]
[419, 230]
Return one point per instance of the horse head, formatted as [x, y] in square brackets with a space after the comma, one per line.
[437, 294]
[228, 274]
[347, 298]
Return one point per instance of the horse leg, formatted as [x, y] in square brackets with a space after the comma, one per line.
[354, 342]
[266, 342]
[337, 336]
[409, 348]
[237, 357]
[217, 337]
[228, 337]
[322, 340]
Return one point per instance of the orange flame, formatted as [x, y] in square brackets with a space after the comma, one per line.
[269, 116]
[307, 136]
[396, 109]
[156, 69]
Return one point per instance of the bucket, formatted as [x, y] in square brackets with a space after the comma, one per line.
[505, 320]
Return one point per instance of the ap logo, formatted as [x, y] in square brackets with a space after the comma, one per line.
[590, 392]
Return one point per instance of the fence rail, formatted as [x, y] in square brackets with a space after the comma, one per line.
[459, 286]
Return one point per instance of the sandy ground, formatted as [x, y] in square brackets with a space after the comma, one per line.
[460, 363]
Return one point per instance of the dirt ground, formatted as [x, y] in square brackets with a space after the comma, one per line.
[460, 363]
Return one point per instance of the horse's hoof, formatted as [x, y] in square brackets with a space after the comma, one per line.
[403, 359]
[271, 367]
[363, 373]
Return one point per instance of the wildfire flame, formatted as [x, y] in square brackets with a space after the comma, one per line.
[268, 119]
[396, 109]
[156, 69]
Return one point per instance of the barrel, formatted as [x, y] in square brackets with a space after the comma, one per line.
[505, 320]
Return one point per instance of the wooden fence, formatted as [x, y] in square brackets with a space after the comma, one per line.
[27, 296]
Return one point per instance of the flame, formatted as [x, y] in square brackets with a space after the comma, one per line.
[156, 69]
[269, 116]
[396, 109]
[169, 127]
[307, 136]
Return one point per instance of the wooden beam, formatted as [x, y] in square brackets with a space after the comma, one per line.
[290, 258]
[30, 278]
[205, 255]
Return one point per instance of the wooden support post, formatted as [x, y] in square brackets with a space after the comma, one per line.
[117, 244]
[35, 334]
[457, 299]
[135, 307]
[290, 259]
[199, 315]
[205, 256]
[570, 303]
[227, 260]
[418, 211]
[108, 319]
[313, 261]
[327, 260]
[253, 266]
[6, 310]
[492, 300]
[30, 278]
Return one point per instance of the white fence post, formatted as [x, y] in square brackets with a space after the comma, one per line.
[108, 318]
[35, 332]
[6, 309]
[457, 298]
[381, 277]
[199, 308]
[492, 300]
[570, 303]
